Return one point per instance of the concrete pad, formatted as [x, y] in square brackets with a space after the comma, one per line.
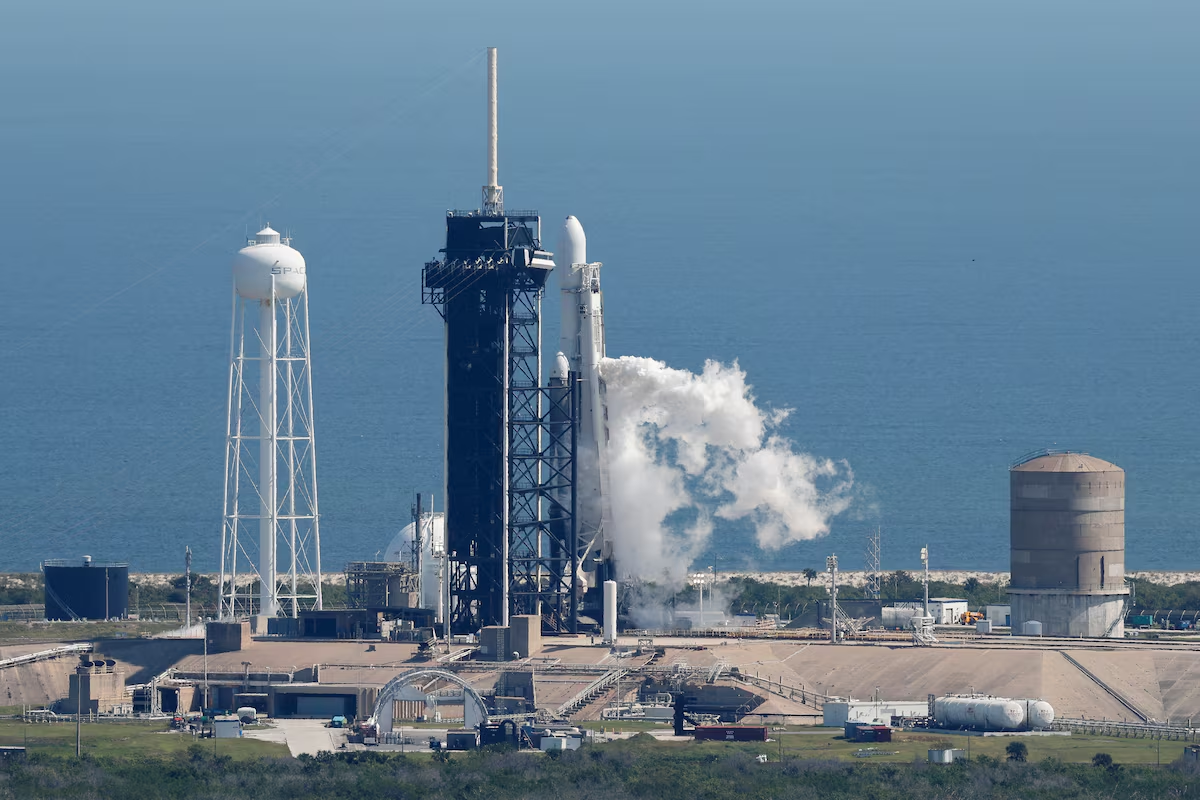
[302, 736]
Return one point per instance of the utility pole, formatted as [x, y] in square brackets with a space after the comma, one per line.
[78, 711]
[187, 566]
[205, 703]
[831, 564]
[416, 540]
[418, 546]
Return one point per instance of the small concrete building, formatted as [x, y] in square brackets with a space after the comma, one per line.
[226, 637]
[947, 610]
[526, 635]
[495, 643]
[998, 615]
[1067, 519]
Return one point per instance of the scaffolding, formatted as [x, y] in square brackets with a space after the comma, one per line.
[381, 585]
[510, 474]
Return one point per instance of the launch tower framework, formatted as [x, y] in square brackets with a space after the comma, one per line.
[511, 536]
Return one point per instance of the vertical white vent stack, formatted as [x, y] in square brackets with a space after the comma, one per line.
[493, 192]
[610, 612]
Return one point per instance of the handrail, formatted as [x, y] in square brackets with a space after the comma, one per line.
[45, 655]
[590, 691]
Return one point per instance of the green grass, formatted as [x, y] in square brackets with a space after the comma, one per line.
[23, 632]
[908, 747]
[123, 739]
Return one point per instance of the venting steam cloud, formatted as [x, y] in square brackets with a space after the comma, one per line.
[686, 450]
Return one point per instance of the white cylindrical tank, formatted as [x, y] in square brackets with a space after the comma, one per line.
[268, 259]
[1038, 715]
[979, 713]
[610, 611]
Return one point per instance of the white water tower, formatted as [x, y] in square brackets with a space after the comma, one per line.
[270, 539]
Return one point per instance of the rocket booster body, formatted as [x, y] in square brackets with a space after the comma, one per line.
[581, 348]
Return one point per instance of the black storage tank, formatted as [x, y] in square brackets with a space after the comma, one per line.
[86, 589]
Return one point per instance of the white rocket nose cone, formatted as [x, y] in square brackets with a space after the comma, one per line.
[561, 367]
[574, 243]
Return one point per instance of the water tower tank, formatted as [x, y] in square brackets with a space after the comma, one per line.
[1067, 523]
[268, 258]
[1067, 529]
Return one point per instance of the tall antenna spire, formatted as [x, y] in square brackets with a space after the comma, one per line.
[493, 192]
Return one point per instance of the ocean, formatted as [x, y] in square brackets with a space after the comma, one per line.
[942, 234]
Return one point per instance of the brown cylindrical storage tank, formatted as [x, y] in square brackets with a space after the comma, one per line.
[1067, 529]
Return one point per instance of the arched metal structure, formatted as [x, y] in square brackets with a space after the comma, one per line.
[401, 688]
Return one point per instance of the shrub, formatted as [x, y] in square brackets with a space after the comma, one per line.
[1017, 751]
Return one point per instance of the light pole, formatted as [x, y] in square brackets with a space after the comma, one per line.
[187, 561]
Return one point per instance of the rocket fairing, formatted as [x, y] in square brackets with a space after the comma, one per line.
[581, 351]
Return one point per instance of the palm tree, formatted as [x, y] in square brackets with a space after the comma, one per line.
[809, 573]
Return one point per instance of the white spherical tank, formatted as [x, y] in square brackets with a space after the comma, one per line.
[1039, 716]
[268, 261]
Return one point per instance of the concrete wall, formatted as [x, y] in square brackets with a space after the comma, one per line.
[1072, 614]
[526, 636]
[495, 643]
[227, 637]
[102, 692]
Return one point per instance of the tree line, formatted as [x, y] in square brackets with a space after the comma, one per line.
[638, 768]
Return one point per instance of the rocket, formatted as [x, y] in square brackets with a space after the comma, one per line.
[581, 349]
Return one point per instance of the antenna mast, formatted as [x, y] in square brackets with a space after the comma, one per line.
[874, 576]
[493, 192]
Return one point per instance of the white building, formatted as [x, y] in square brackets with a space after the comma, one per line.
[946, 610]
[999, 615]
[871, 712]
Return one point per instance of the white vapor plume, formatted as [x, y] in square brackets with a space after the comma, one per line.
[687, 450]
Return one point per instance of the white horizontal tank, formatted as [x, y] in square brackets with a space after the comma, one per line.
[268, 261]
[1039, 716]
[979, 713]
